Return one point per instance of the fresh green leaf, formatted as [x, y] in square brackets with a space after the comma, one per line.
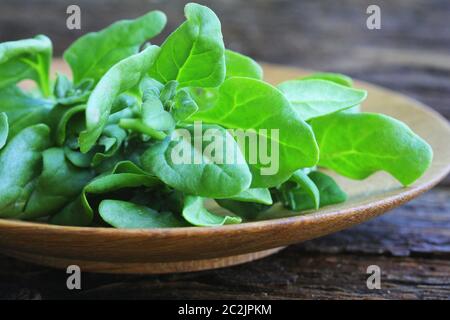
[20, 164]
[184, 105]
[239, 65]
[121, 77]
[59, 183]
[26, 59]
[338, 78]
[357, 145]
[257, 195]
[315, 98]
[255, 106]
[193, 54]
[92, 55]
[195, 213]
[308, 186]
[124, 175]
[4, 129]
[248, 211]
[22, 110]
[194, 162]
[127, 215]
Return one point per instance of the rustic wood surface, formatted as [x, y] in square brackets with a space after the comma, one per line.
[409, 54]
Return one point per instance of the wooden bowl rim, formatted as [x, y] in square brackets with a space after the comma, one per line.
[388, 202]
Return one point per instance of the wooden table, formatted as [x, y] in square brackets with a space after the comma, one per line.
[411, 245]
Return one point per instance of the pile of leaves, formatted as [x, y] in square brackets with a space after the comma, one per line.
[95, 150]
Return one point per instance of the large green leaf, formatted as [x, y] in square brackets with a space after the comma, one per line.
[261, 109]
[92, 55]
[121, 77]
[20, 164]
[128, 215]
[193, 54]
[239, 65]
[316, 97]
[195, 213]
[189, 164]
[26, 59]
[357, 145]
[59, 183]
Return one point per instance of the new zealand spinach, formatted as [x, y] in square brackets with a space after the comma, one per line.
[147, 137]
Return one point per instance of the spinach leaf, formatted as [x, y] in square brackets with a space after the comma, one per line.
[315, 98]
[26, 59]
[112, 138]
[239, 65]
[23, 110]
[124, 175]
[184, 105]
[357, 145]
[59, 183]
[194, 162]
[195, 213]
[4, 129]
[193, 54]
[127, 215]
[92, 55]
[244, 103]
[121, 77]
[248, 211]
[20, 164]
[299, 199]
[308, 186]
[338, 78]
[257, 195]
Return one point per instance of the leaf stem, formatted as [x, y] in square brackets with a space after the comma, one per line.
[139, 126]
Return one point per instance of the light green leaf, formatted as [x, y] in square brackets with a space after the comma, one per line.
[239, 65]
[190, 164]
[357, 145]
[193, 54]
[26, 59]
[308, 186]
[127, 215]
[257, 195]
[195, 213]
[315, 98]
[92, 55]
[338, 78]
[121, 77]
[267, 116]
[20, 164]
[184, 105]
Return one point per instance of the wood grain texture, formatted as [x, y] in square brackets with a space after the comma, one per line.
[410, 54]
[411, 245]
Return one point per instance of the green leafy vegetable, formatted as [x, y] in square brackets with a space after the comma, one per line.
[193, 54]
[17, 177]
[316, 97]
[195, 213]
[357, 145]
[121, 77]
[197, 169]
[149, 137]
[92, 55]
[127, 215]
[239, 65]
[26, 59]
[245, 103]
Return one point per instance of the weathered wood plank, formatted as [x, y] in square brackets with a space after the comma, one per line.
[411, 245]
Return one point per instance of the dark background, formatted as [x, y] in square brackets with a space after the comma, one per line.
[410, 54]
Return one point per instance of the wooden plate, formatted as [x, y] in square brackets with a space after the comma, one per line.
[190, 249]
